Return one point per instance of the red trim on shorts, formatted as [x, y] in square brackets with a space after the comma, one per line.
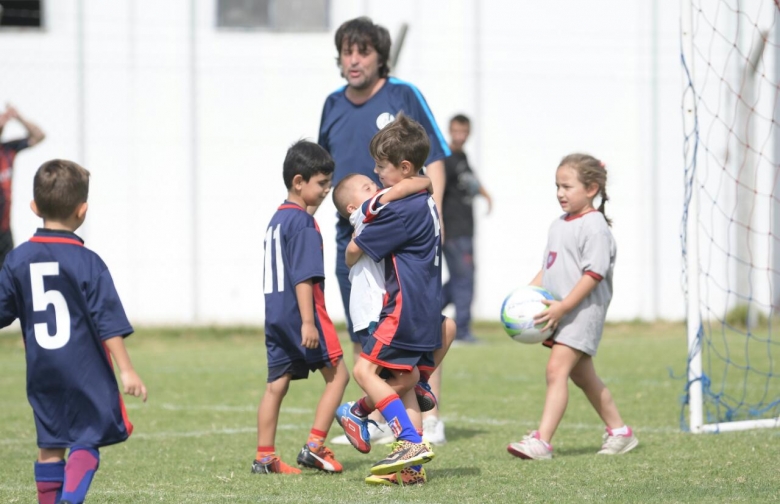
[328, 330]
[388, 326]
[53, 239]
[570, 217]
[594, 275]
[125, 418]
[427, 369]
[387, 400]
[379, 362]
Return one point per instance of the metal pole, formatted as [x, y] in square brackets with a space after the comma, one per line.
[776, 192]
[655, 169]
[194, 186]
[695, 406]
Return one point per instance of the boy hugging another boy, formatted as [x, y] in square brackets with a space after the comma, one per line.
[403, 238]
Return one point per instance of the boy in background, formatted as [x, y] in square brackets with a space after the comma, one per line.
[299, 335]
[71, 319]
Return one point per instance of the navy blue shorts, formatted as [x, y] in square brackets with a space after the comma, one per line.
[298, 370]
[396, 359]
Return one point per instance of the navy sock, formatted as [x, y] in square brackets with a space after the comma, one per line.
[79, 471]
[394, 411]
[48, 479]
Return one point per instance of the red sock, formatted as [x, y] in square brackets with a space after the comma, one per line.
[361, 409]
[316, 439]
[264, 451]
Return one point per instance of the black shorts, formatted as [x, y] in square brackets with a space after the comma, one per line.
[6, 245]
[298, 370]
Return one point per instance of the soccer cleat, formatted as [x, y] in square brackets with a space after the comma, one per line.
[433, 431]
[272, 465]
[323, 459]
[425, 397]
[355, 427]
[617, 444]
[404, 454]
[531, 447]
[408, 477]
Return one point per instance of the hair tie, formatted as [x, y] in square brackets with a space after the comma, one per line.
[601, 164]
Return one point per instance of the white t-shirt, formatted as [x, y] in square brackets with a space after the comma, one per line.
[367, 278]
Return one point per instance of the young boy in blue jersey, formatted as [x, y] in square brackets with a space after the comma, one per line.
[367, 282]
[406, 235]
[299, 335]
[71, 319]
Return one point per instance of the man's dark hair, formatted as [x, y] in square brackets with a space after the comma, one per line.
[306, 159]
[363, 32]
[461, 119]
[59, 187]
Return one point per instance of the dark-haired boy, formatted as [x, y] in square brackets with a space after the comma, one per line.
[71, 319]
[299, 336]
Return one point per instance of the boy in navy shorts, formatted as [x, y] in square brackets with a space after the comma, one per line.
[406, 235]
[72, 322]
[299, 336]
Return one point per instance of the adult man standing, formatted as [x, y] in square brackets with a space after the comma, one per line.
[8, 151]
[353, 114]
[462, 186]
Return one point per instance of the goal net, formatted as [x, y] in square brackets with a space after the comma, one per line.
[731, 228]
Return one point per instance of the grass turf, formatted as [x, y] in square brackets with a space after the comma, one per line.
[195, 438]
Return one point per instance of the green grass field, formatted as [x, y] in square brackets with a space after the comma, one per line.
[195, 438]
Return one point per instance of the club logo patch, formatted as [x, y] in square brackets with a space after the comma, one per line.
[384, 119]
[551, 258]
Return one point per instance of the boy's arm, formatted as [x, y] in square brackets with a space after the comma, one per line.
[310, 337]
[354, 252]
[131, 382]
[407, 187]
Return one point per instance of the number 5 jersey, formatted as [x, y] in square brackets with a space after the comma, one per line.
[64, 297]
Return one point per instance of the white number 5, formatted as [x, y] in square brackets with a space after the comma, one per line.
[42, 298]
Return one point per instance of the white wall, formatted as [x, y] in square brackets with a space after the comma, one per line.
[185, 132]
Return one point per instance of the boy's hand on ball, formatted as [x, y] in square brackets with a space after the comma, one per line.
[310, 337]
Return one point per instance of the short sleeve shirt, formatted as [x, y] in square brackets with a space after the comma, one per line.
[66, 301]
[293, 254]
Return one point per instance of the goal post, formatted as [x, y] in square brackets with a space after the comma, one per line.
[730, 55]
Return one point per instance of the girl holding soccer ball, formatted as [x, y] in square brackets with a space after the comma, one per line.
[578, 266]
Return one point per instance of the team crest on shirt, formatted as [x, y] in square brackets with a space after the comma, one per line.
[551, 258]
[384, 119]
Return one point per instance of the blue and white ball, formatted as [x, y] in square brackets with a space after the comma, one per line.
[517, 314]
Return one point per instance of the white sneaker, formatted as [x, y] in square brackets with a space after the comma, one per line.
[380, 434]
[618, 445]
[433, 431]
[340, 440]
[531, 447]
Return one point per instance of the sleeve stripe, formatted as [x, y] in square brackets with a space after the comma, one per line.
[594, 275]
[424, 105]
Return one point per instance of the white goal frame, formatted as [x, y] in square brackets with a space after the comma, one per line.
[694, 320]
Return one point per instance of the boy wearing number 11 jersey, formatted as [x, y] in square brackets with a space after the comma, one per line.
[72, 323]
[299, 336]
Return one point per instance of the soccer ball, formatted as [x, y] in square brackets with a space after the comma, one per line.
[517, 314]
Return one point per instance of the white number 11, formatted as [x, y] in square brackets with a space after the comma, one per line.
[268, 273]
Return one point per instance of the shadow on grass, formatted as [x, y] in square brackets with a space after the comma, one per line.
[455, 472]
[454, 433]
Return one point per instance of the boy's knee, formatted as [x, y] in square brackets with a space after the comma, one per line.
[278, 387]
